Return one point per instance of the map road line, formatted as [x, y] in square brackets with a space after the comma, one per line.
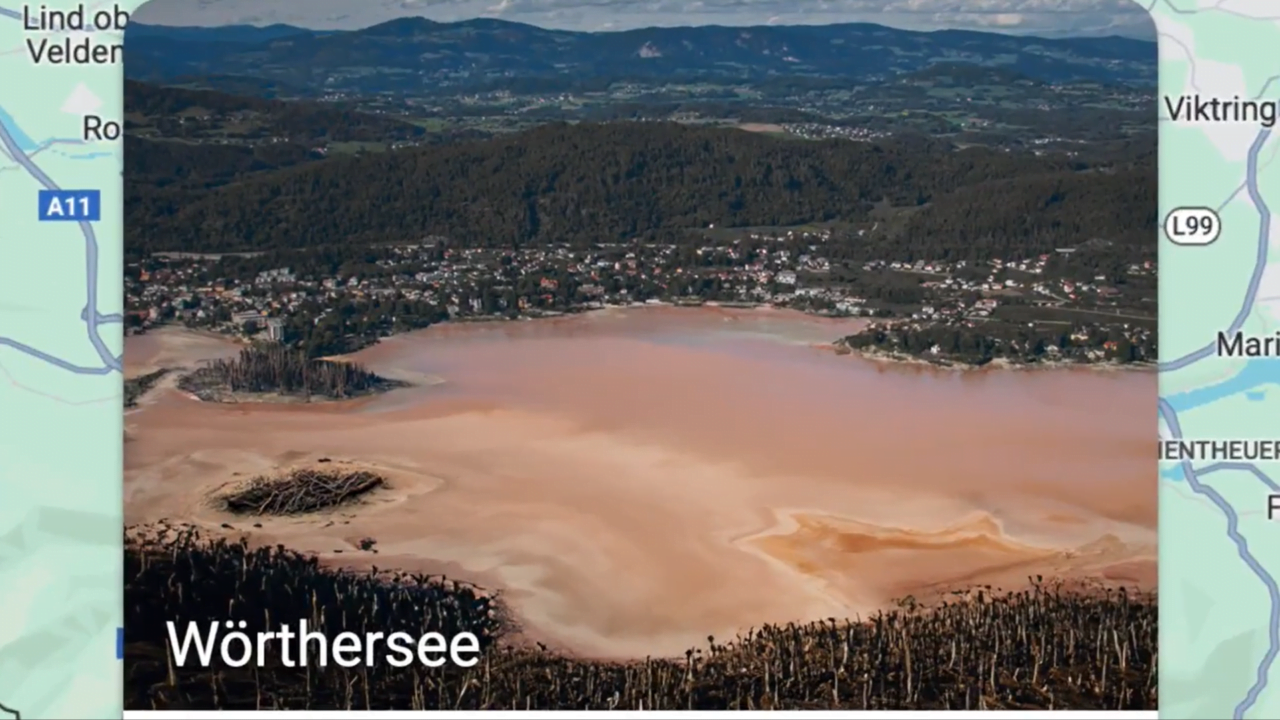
[91, 315]
[1251, 294]
[1242, 467]
[1192, 476]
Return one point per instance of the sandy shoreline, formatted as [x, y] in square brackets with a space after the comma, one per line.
[193, 340]
[633, 483]
[176, 348]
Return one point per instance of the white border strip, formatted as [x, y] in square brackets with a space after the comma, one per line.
[735, 714]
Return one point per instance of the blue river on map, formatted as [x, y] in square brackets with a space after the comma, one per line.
[24, 142]
[1248, 381]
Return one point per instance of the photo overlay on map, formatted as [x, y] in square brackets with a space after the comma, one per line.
[481, 365]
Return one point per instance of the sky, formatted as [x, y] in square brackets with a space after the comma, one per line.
[1051, 18]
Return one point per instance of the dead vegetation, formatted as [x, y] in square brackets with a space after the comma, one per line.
[278, 370]
[299, 491]
[1044, 648]
[136, 387]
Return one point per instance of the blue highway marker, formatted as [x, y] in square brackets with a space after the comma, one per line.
[70, 205]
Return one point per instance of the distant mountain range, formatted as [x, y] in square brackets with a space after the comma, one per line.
[415, 53]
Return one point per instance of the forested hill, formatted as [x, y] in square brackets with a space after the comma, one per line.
[180, 110]
[619, 181]
[398, 55]
[194, 139]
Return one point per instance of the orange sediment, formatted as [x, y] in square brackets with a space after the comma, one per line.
[635, 481]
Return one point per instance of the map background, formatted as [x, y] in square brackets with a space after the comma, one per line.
[60, 343]
[1220, 606]
[61, 522]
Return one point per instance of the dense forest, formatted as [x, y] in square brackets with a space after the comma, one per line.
[179, 107]
[153, 165]
[1021, 216]
[601, 183]
[212, 138]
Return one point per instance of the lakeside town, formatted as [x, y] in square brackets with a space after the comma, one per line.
[330, 302]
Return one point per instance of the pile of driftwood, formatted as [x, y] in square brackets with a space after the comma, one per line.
[300, 490]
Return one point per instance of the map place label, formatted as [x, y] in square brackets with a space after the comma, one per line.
[70, 205]
[1219, 450]
[1199, 109]
[95, 128]
[84, 50]
[1192, 226]
[1238, 344]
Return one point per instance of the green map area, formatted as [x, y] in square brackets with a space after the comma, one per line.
[60, 382]
[60, 386]
[1219, 556]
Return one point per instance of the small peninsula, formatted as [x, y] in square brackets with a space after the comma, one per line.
[274, 373]
[977, 344]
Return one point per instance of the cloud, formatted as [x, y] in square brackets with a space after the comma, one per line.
[1041, 17]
